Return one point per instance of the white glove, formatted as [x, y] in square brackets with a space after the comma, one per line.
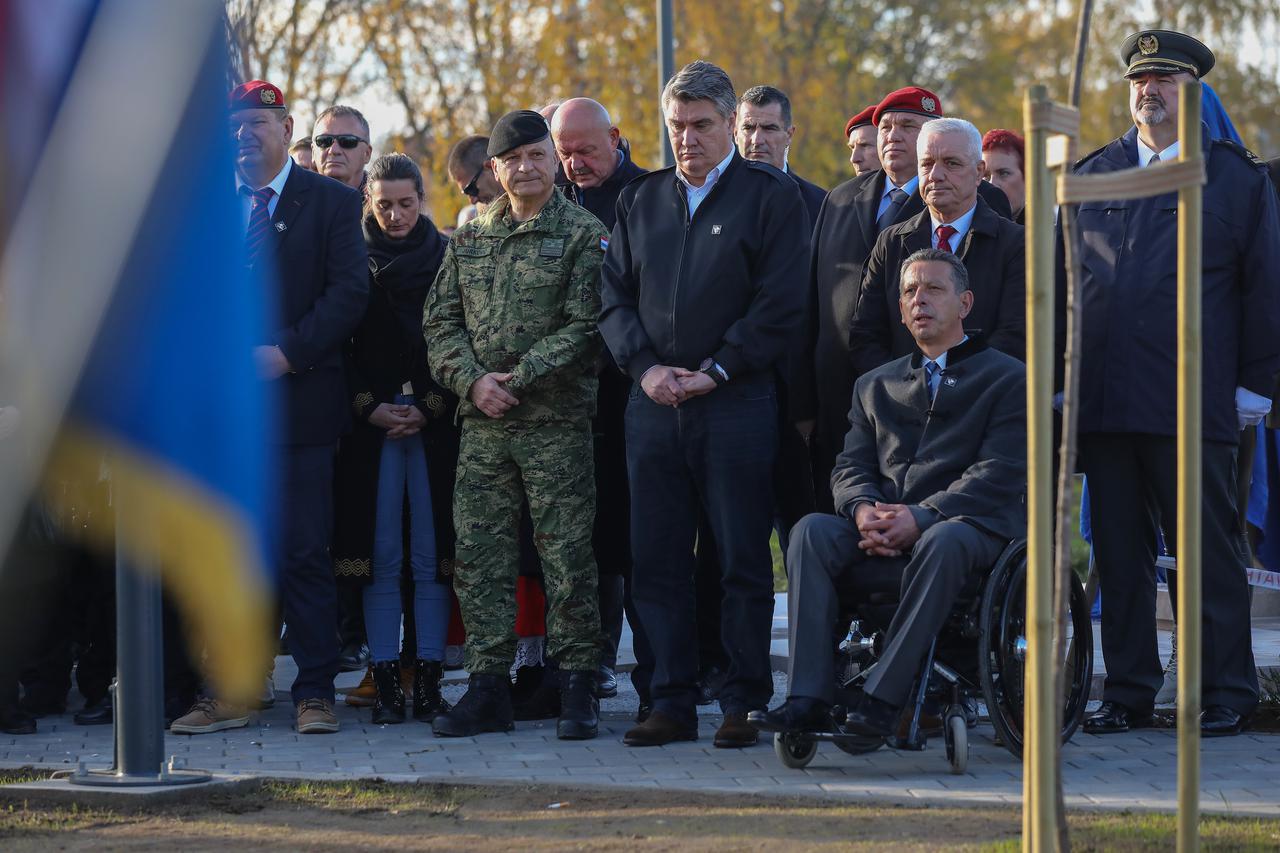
[1251, 408]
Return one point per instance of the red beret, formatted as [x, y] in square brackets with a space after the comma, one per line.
[859, 120]
[256, 95]
[912, 99]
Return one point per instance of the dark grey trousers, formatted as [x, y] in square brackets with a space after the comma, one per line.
[824, 548]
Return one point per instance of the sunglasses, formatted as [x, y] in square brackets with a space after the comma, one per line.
[346, 140]
[471, 189]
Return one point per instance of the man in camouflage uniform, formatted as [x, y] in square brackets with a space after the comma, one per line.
[511, 328]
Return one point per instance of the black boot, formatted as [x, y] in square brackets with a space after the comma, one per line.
[579, 708]
[485, 707]
[427, 701]
[388, 704]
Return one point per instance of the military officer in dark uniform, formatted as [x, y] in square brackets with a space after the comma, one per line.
[1128, 258]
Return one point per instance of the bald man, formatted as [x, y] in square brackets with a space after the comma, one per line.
[598, 167]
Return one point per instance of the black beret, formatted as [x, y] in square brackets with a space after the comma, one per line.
[1165, 52]
[514, 129]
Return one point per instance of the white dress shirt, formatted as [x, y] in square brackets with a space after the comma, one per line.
[960, 223]
[276, 183]
[695, 195]
[1145, 154]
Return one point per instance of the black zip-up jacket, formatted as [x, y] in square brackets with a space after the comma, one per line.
[727, 284]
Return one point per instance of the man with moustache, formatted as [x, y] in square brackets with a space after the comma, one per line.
[956, 220]
[699, 304]
[598, 167]
[846, 229]
[340, 145]
[1128, 411]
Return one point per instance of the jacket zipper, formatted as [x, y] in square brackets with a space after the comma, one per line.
[675, 295]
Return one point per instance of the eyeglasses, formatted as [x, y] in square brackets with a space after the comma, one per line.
[472, 189]
[346, 140]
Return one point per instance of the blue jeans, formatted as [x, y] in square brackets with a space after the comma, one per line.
[402, 471]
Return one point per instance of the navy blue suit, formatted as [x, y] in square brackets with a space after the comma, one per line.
[318, 259]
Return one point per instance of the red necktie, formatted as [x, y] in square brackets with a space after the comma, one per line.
[945, 233]
[259, 223]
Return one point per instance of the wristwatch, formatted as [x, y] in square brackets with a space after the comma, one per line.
[715, 371]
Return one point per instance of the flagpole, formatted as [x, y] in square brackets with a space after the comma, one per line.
[666, 69]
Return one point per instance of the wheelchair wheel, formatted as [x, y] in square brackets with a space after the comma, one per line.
[794, 751]
[1002, 645]
[956, 735]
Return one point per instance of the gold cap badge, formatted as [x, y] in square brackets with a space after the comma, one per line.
[928, 104]
[1148, 44]
[268, 97]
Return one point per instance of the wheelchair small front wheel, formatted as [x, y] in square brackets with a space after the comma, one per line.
[956, 735]
[793, 750]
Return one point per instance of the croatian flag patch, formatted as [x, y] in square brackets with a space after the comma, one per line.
[604, 244]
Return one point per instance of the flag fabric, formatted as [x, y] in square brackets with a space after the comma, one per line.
[136, 318]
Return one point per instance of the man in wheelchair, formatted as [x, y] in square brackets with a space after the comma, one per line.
[929, 486]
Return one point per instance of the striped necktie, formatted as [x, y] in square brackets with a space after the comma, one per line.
[259, 223]
[931, 371]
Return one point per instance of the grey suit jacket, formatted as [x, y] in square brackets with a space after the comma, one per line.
[962, 457]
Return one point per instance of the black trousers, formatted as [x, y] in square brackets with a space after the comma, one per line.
[307, 589]
[717, 452]
[1133, 490]
[824, 557]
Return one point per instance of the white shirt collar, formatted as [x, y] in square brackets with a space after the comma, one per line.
[712, 176]
[960, 223]
[1145, 154]
[277, 183]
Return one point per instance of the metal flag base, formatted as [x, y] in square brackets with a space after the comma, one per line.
[173, 773]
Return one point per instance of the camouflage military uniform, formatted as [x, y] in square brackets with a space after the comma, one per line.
[523, 298]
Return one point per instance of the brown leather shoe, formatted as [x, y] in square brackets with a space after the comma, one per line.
[660, 730]
[735, 732]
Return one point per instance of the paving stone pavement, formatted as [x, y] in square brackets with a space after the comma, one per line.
[1131, 771]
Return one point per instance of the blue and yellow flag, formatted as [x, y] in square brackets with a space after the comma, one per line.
[129, 317]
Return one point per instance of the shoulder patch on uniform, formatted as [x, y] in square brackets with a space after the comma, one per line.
[1241, 151]
[1086, 158]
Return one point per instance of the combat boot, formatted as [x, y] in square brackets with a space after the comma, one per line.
[427, 701]
[485, 707]
[579, 708]
[388, 704]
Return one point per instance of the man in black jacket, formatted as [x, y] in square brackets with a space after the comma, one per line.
[699, 303]
[1128, 399]
[991, 247]
[764, 133]
[598, 166]
[927, 492]
[843, 235]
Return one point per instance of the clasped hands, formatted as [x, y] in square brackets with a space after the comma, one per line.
[888, 530]
[671, 386]
[489, 394]
[400, 421]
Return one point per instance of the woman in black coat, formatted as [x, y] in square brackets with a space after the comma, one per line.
[395, 471]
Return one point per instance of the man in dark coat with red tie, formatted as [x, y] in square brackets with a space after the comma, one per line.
[843, 235]
[956, 220]
[303, 234]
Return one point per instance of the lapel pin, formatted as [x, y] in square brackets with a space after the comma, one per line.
[950, 381]
[280, 227]
[715, 229]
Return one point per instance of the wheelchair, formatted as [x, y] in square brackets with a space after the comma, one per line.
[978, 656]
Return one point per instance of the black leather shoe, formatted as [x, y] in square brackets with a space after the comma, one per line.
[793, 716]
[735, 732]
[388, 703]
[606, 682]
[427, 701]
[95, 713]
[659, 730]
[485, 707]
[1220, 721]
[579, 708]
[1113, 718]
[354, 657]
[643, 711]
[872, 717]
